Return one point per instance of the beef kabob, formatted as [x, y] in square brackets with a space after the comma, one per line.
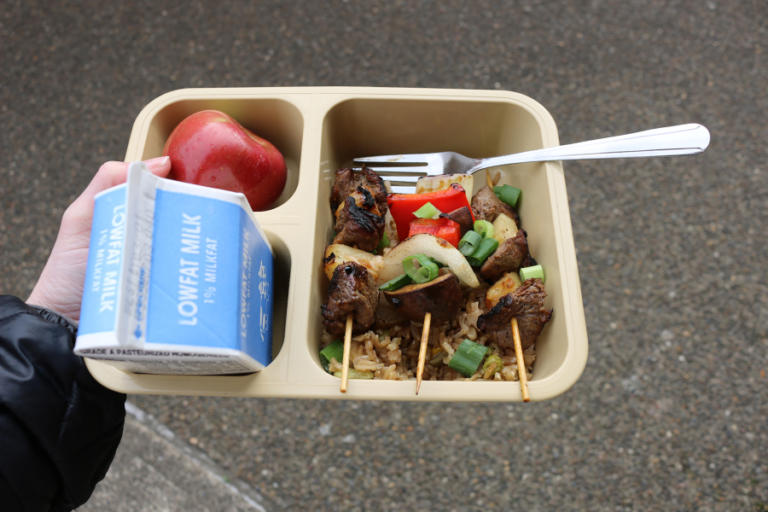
[514, 311]
[445, 215]
[495, 246]
[359, 204]
[434, 302]
[416, 289]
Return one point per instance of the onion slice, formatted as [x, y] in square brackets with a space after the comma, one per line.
[436, 248]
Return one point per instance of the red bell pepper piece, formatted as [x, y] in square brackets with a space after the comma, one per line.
[447, 229]
[402, 206]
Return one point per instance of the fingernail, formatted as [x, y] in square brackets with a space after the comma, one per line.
[158, 161]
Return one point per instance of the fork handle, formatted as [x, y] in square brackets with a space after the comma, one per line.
[682, 139]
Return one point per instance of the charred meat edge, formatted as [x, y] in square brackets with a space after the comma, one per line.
[526, 304]
[352, 290]
[442, 297]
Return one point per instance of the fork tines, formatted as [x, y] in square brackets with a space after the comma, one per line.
[399, 175]
[400, 171]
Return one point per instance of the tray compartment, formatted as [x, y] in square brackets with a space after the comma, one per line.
[281, 280]
[477, 128]
[274, 119]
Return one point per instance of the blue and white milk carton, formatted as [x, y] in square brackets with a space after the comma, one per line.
[179, 280]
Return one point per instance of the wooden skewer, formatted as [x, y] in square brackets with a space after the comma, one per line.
[520, 362]
[423, 349]
[345, 357]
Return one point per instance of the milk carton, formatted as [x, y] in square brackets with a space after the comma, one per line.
[179, 280]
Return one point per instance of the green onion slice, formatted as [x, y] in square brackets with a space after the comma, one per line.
[484, 227]
[469, 242]
[484, 249]
[395, 283]
[355, 374]
[435, 360]
[493, 364]
[384, 242]
[508, 194]
[420, 268]
[333, 351]
[468, 357]
[427, 211]
[536, 271]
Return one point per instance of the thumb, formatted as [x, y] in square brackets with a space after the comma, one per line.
[108, 175]
[159, 166]
[111, 174]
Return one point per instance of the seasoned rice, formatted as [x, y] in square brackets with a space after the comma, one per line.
[392, 354]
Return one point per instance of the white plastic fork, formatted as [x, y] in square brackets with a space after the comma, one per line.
[403, 171]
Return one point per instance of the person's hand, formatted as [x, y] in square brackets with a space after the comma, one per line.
[60, 286]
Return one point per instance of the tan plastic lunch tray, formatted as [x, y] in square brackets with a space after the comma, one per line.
[320, 129]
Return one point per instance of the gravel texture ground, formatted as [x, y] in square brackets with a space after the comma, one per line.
[671, 410]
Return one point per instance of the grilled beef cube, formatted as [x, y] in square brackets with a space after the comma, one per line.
[348, 182]
[528, 261]
[387, 315]
[441, 297]
[357, 226]
[508, 257]
[359, 201]
[352, 290]
[462, 216]
[487, 206]
[526, 303]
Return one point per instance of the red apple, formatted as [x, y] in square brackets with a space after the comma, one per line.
[212, 149]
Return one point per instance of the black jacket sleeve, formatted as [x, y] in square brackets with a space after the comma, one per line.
[59, 428]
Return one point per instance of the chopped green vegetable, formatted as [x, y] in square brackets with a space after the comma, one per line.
[395, 283]
[468, 357]
[469, 242]
[355, 374]
[333, 351]
[492, 364]
[484, 227]
[437, 357]
[508, 194]
[427, 211]
[384, 242]
[420, 268]
[484, 249]
[536, 271]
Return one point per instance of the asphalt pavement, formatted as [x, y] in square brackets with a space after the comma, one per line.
[670, 412]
